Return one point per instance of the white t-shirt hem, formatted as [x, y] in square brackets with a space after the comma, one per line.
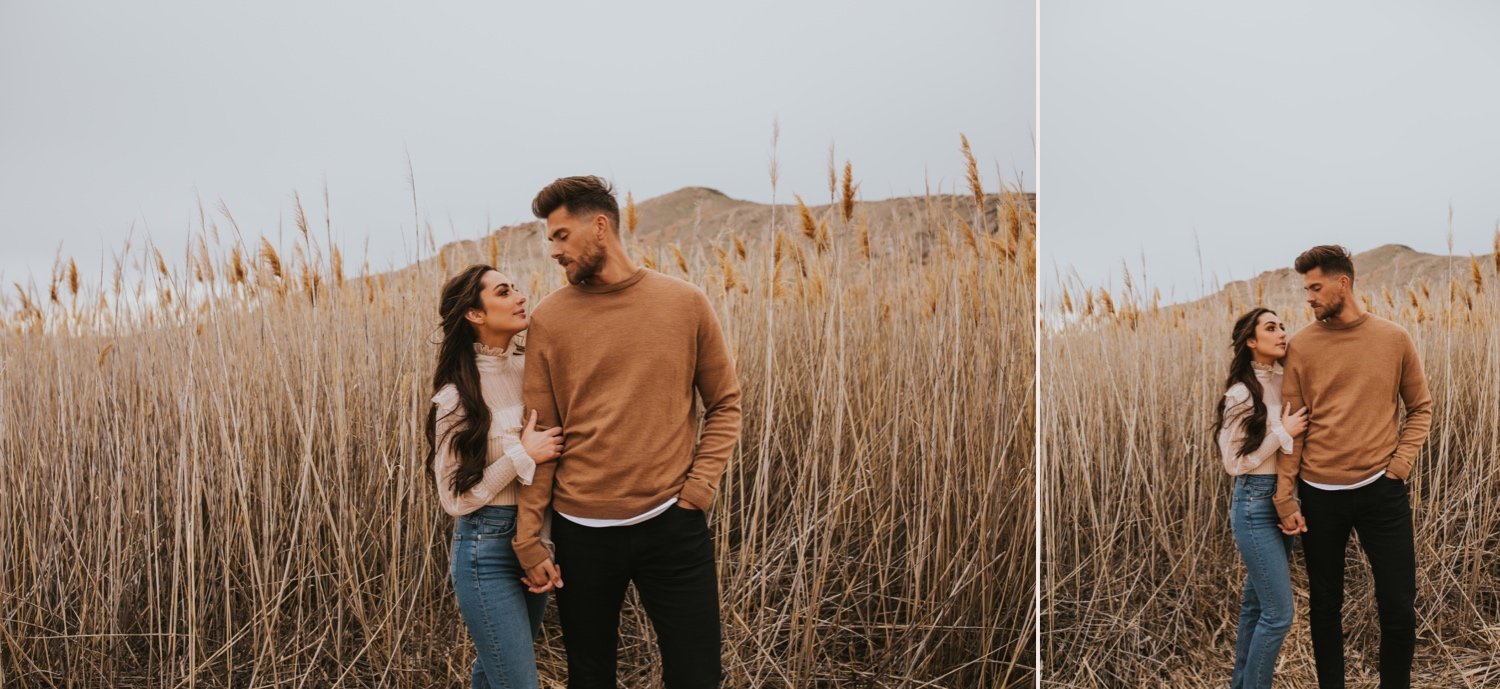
[601, 523]
[1352, 486]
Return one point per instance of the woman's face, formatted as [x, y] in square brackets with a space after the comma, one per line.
[1269, 340]
[503, 305]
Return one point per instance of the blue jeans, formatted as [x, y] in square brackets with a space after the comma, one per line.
[503, 618]
[1266, 606]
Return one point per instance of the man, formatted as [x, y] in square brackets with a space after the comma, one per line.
[1351, 466]
[614, 358]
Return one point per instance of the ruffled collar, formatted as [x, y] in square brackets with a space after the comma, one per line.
[1266, 370]
[481, 350]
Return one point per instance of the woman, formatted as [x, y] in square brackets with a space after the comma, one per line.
[480, 455]
[1252, 427]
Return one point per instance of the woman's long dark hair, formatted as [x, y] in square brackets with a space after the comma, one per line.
[455, 364]
[1240, 371]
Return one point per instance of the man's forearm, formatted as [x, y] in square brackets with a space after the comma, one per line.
[531, 512]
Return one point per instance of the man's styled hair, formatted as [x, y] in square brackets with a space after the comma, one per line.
[580, 195]
[1330, 258]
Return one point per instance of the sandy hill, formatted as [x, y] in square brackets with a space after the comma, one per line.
[692, 218]
[1392, 269]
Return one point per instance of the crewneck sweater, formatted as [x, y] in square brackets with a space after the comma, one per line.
[1237, 409]
[508, 464]
[617, 366]
[1353, 379]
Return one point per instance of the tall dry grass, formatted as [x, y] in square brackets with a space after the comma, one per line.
[224, 488]
[1141, 579]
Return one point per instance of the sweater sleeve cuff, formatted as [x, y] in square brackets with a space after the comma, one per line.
[698, 493]
[531, 552]
[1284, 439]
[524, 464]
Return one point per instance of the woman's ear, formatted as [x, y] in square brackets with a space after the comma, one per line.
[474, 316]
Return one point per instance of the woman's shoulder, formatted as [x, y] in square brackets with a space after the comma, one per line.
[446, 397]
[1237, 394]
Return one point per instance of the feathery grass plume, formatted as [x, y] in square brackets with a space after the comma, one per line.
[648, 261]
[52, 290]
[809, 225]
[492, 249]
[848, 192]
[1426, 293]
[1088, 302]
[1109, 302]
[1411, 296]
[72, 276]
[270, 258]
[26, 305]
[336, 262]
[833, 175]
[631, 219]
[1067, 301]
[1476, 275]
[726, 268]
[1260, 291]
[822, 241]
[1156, 299]
[739, 247]
[968, 233]
[971, 168]
[301, 215]
[1386, 293]
[682, 263]
[236, 271]
[864, 235]
[1497, 249]
[161, 263]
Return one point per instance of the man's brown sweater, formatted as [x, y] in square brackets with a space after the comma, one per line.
[1351, 378]
[616, 367]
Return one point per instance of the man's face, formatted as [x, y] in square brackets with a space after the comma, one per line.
[574, 242]
[1326, 293]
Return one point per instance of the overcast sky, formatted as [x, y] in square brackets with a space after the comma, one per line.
[120, 114]
[1262, 129]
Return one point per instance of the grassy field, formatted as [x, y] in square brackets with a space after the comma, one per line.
[1140, 576]
[224, 488]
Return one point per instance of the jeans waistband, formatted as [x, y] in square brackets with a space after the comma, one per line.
[1254, 479]
[494, 511]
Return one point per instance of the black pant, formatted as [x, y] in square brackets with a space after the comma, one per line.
[671, 560]
[1381, 514]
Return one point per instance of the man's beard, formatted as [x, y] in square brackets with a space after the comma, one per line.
[587, 266]
[1332, 310]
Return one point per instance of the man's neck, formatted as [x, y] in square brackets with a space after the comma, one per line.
[1351, 312]
[617, 268]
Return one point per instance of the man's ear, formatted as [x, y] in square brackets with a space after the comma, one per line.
[601, 225]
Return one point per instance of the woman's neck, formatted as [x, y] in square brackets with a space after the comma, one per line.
[499, 340]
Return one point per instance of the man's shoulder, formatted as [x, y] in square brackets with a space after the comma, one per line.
[671, 286]
[1388, 326]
